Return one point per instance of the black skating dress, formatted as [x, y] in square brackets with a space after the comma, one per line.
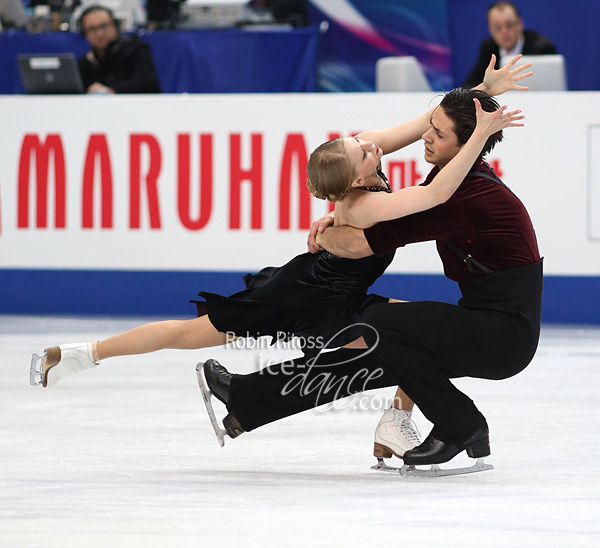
[312, 296]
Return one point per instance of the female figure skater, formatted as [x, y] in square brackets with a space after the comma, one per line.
[314, 295]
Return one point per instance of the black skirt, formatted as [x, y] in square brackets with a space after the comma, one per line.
[312, 296]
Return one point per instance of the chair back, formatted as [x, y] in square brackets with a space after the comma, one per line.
[400, 74]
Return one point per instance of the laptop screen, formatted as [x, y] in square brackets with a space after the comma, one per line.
[50, 73]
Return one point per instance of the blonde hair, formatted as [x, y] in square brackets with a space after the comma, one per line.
[330, 173]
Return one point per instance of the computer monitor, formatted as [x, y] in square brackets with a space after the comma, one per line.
[50, 73]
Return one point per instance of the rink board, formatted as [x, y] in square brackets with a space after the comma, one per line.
[153, 199]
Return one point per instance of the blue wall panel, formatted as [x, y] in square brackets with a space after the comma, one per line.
[567, 299]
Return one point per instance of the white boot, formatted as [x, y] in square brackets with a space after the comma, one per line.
[395, 434]
[66, 359]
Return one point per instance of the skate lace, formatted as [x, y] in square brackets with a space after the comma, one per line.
[410, 431]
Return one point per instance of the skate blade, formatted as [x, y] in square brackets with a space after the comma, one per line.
[411, 470]
[207, 396]
[36, 372]
[381, 466]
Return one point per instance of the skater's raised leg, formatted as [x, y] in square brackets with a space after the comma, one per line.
[60, 361]
[173, 334]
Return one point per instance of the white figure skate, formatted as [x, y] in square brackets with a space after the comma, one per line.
[477, 449]
[58, 362]
[395, 433]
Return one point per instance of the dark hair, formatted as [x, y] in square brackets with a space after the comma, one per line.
[91, 9]
[459, 106]
[501, 4]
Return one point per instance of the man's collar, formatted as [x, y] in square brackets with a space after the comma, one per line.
[516, 49]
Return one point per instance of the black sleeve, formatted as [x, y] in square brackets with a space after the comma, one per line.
[546, 46]
[538, 44]
[475, 77]
[88, 74]
[141, 74]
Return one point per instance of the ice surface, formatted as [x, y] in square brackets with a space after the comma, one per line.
[124, 455]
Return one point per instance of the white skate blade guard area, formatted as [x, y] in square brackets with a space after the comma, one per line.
[438, 471]
[432, 470]
[124, 455]
[35, 370]
[207, 397]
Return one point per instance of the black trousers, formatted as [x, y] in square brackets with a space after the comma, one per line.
[492, 333]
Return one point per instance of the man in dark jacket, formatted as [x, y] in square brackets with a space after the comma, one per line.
[508, 37]
[116, 63]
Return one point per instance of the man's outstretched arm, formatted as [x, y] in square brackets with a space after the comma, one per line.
[344, 241]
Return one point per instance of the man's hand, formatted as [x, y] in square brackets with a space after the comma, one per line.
[496, 82]
[344, 241]
[97, 87]
[317, 227]
[491, 122]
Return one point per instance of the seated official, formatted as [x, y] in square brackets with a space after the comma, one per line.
[116, 63]
[12, 15]
[508, 37]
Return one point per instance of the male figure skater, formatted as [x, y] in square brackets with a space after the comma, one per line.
[487, 244]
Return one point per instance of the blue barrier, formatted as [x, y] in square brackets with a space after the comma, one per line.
[567, 299]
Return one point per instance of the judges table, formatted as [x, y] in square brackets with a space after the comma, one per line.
[208, 61]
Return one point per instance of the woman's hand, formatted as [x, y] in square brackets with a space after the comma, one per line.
[496, 82]
[491, 122]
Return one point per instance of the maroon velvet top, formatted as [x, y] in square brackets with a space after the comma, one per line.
[483, 218]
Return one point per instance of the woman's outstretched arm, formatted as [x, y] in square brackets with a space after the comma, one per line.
[370, 208]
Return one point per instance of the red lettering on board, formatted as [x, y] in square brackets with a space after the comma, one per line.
[294, 152]
[136, 143]
[252, 176]
[495, 165]
[403, 174]
[52, 146]
[97, 150]
[205, 181]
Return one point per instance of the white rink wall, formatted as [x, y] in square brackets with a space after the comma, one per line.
[215, 184]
